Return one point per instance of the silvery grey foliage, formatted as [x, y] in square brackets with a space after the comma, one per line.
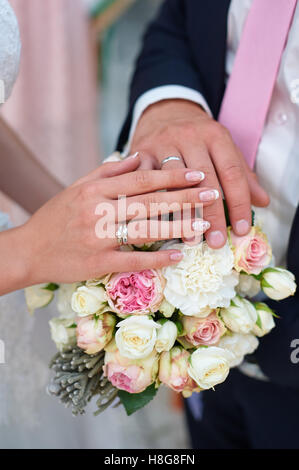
[78, 378]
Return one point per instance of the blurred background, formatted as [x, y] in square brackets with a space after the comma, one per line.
[68, 105]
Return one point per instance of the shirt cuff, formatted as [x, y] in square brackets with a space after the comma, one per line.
[161, 93]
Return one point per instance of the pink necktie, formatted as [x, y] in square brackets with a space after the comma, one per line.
[250, 86]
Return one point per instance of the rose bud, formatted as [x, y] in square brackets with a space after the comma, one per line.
[88, 300]
[240, 317]
[133, 376]
[173, 371]
[252, 252]
[136, 336]
[95, 332]
[63, 333]
[205, 331]
[238, 345]
[265, 321]
[278, 283]
[209, 366]
[166, 336]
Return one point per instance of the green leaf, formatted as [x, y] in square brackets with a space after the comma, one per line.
[179, 328]
[74, 325]
[134, 401]
[259, 322]
[264, 283]
[51, 286]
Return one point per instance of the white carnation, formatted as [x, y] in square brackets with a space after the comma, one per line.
[204, 278]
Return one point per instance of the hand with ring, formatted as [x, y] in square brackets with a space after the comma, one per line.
[60, 242]
[173, 134]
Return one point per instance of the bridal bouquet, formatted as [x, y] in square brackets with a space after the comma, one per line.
[183, 327]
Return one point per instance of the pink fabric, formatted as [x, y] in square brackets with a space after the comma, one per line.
[54, 102]
[250, 86]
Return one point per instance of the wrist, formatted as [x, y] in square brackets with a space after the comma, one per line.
[172, 107]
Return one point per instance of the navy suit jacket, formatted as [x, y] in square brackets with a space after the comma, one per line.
[186, 45]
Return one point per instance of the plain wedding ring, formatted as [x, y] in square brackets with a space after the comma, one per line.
[122, 234]
[171, 158]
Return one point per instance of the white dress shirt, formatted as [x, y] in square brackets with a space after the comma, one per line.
[277, 161]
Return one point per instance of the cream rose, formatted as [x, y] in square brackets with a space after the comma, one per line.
[278, 283]
[88, 300]
[238, 345]
[203, 280]
[166, 309]
[136, 336]
[95, 332]
[64, 300]
[63, 333]
[38, 296]
[166, 336]
[265, 321]
[240, 317]
[209, 366]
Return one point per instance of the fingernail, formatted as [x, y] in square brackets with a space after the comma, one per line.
[176, 256]
[195, 176]
[215, 238]
[134, 155]
[210, 195]
[241, 227]
[201, 225]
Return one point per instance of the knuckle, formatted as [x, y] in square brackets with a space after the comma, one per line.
[87, 191]
[232, 173]
[142, 179]
[133, 263]
[239, 206]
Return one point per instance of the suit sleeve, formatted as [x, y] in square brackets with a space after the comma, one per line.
[275, 355]
[165, 58]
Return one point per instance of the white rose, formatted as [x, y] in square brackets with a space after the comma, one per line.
[278, 283]
[38, 296]
[64, 300]
[240, 317]
[203, 278]
[265, 318]
[166, 309]
[88, 300]
[209, 366]
[63, 333]
[239, 345]
[136, 336]
[248, 286]
[166, 336]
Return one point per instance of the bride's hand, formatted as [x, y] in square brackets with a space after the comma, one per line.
[63, 242]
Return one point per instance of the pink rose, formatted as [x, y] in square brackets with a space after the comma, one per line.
[252, 252]
[173, 371]
[135, 292]
[133, 376]
[95, 331]
[205, 331]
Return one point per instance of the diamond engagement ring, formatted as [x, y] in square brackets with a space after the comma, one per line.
[122, 234]
[171, 158]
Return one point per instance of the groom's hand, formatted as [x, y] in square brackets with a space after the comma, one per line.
[182, 128]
